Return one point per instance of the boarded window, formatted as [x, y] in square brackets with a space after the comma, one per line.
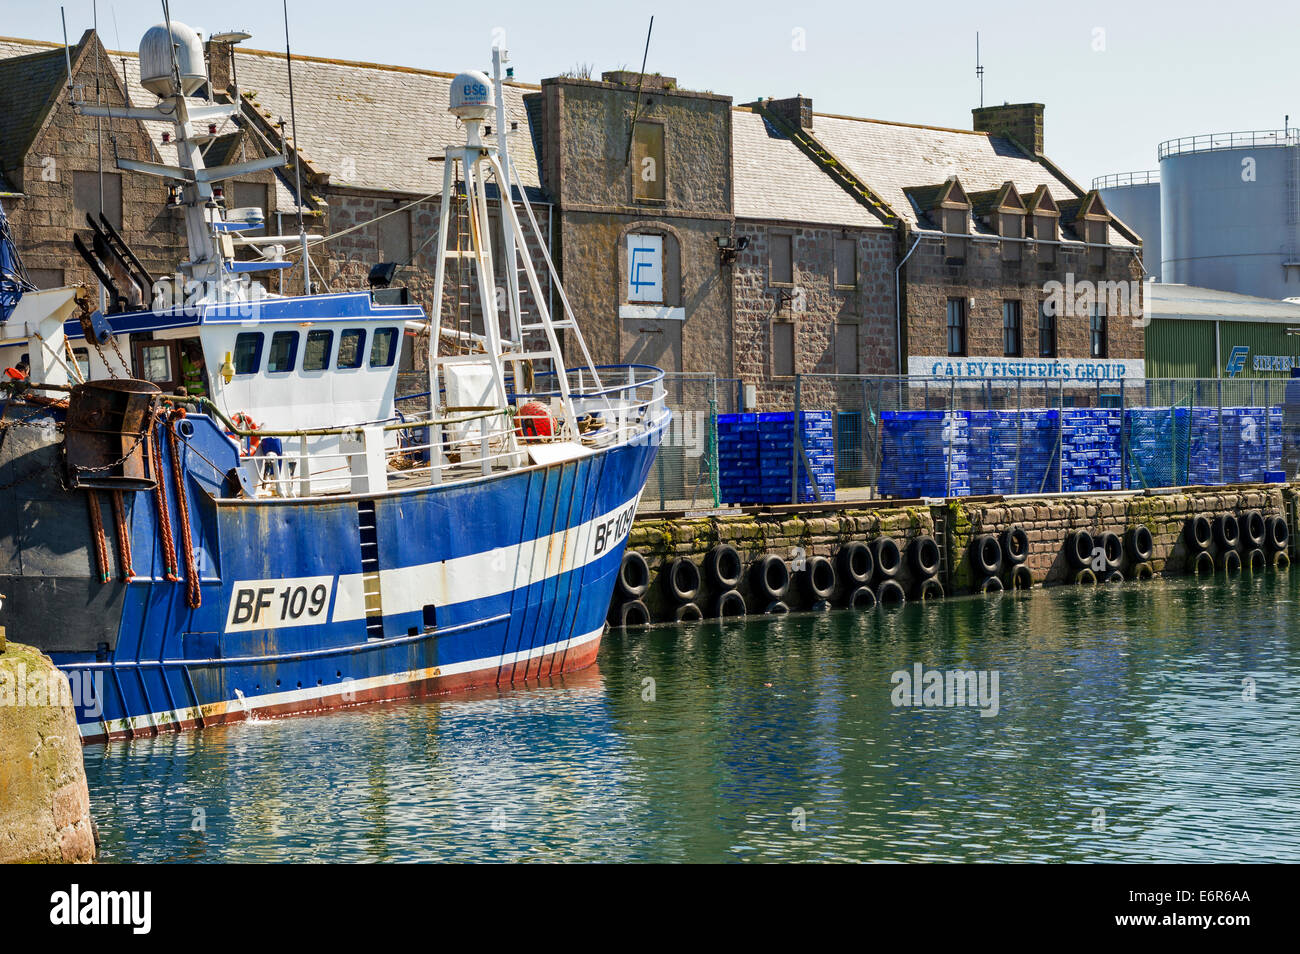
[250, 195]
[1096, 233]
[1011, 329]
[782, 348]
[957, 326]
[846, 349]
[1013, 227]
[85, 197]
[648, 161]
[781, 259]
[284, 349]
[1045, 232]
[351, 344]
[955, 223]
[46, 277]
[1046, 330]
[846, 263]
[317, 355]
[395, 237]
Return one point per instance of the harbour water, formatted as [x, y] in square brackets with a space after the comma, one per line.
[1133, 723]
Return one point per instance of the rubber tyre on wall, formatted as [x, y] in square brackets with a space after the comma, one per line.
[887, 557]
[1199, 533]
[929, 589]
[1276, 533]
[1281, 561]
[1085, 577]
[689, 613]
[818, 578]
[633, 575]
[855, 563]
[776, 608]
[890, 593]
[862, 599]
[769, 578]
[729, 603]
[1078, 550]
[681, 580]
[1139, 544]
[1230, 562]
[1227, 531]
[1252, 529]
[1255, 561]
[923, 553]
[1015, 545]
[986, 553]
[1142, 571]
[1114, 576]
[1112, 549]
[723, 567]
[1021, 578]
[1203, 564]
[631, 614]
[991, 585]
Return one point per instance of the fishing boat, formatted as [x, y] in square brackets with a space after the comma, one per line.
[214, 507]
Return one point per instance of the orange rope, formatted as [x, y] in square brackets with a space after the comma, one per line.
[123, 536]
[97, 531]
[182, 506]
[160, 505]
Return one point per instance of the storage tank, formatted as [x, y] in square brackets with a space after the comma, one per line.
[1135, 198]
[1230, 211]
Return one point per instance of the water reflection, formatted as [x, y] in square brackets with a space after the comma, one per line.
[1125, 731]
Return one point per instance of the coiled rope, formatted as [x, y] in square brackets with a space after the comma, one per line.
[160, 500]
[192, 593]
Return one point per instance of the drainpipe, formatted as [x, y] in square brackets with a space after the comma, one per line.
[898, 301]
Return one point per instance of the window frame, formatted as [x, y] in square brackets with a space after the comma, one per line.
[840, 242]
[772, 239]
[661, 159]
[962, 327]
[794, 347]
[1098, 331]
[257, 354]
[361, 350]
[1047, 324]
[329, 350]
[392, 348]
[293, 352]
[1013, 320]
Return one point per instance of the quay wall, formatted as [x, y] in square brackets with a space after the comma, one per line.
[797, 534]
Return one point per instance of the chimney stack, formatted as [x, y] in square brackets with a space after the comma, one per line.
[1022, 122]
[797, 111]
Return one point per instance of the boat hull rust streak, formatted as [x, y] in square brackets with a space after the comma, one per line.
[494, 583]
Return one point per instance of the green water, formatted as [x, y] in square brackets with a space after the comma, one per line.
[1135, 723]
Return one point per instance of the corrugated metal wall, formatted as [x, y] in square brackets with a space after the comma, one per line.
[1263, 340]
[1180, 349]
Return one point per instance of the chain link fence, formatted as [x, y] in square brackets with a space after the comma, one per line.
[948, 437]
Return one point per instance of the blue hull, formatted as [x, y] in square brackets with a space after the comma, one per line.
[321, 603]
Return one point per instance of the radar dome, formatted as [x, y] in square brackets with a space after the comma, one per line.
[471, 96]
[156, 60]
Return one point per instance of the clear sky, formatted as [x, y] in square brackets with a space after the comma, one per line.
[1117, 78]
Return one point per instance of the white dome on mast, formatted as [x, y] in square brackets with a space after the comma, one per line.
[156, 47]
[471, 96]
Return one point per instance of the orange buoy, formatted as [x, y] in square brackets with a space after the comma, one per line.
[533, 421]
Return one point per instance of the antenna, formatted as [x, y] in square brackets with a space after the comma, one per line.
[297, 159]
[67, 52]
[979, 68]
[636, 108]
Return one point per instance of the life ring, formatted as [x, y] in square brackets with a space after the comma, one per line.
[245, 423]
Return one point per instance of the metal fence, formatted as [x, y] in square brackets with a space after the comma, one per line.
[949, 437]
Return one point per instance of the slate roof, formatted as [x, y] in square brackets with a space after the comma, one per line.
[1187, 302]
[29, 76]
[773, 180]
[894, 157]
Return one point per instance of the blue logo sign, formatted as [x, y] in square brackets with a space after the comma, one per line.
[1237, 361]
[642, 259]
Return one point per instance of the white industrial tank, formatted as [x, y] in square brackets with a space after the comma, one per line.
[1135, 198]
[1230, 211]
[156, 73]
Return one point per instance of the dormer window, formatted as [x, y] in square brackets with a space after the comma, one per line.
[1002, 212]
[949, 209]
[1044, 218]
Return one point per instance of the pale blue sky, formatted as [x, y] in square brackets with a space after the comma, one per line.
[1117, 77]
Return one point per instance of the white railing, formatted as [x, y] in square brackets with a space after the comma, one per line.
[1247, 139]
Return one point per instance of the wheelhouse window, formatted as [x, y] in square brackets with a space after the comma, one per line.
[284, 351]
[248, 352]
[352, 345]
[316, 356]
[956, 326]
[383, 348]
[1011, 329]
[1046, 330]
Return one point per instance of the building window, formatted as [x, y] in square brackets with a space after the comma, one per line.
[284, 349]
[317, 355]
[383, 348]
[955, 224]
[46, 277]
[1013, 227]
[846, 263]
[85, 197]
[648, 161]
[1097, 329]
[645, 268]
[957, 326]
[1046, 331]
[1011, 329]
[782, 348]
[1096, 232]
[395, 238]
[351, 345]
[846, 349]
[248, 352]
[780, 264]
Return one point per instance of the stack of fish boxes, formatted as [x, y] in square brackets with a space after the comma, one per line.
[1251, 439]
[756, 453]
[925, 454]
[1090, 449]
[1013, 452]
[1157, 440]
